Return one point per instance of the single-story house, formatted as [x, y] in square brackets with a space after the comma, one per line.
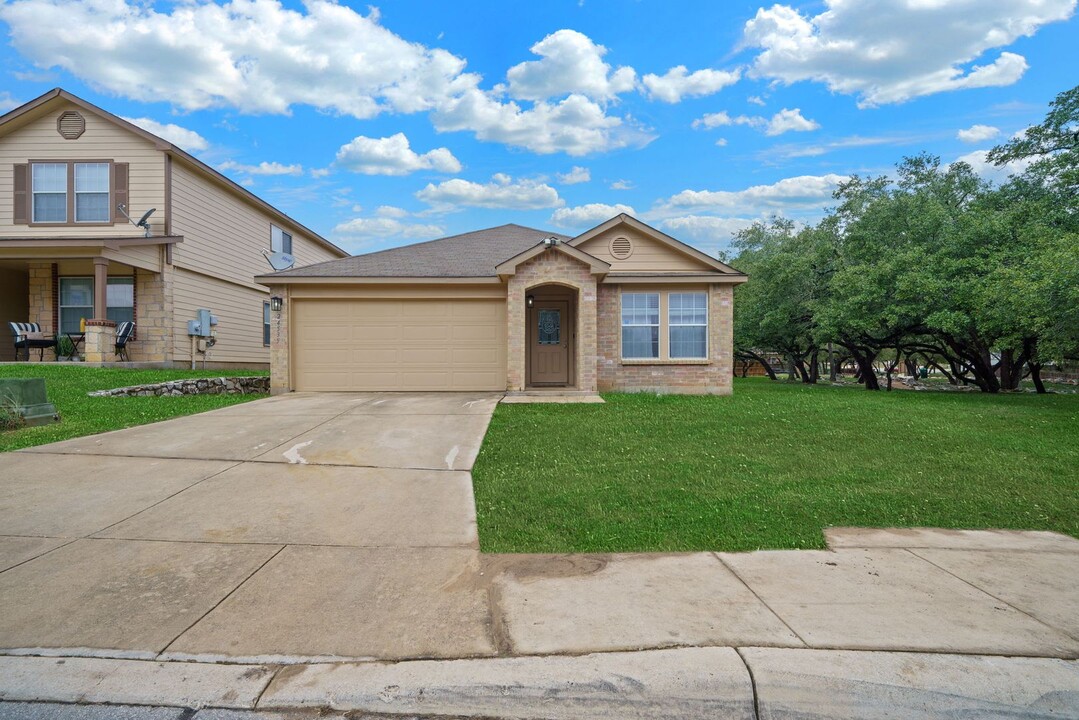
[69, 171]
[622, 306]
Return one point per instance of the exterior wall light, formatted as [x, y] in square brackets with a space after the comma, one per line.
[276, 303]
[530, 300]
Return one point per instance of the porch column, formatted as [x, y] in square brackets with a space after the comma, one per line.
[100, 331]
[101, 287]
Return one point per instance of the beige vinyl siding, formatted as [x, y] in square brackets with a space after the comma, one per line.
[238, 310]
[396, 344]
[103, 140]
[648, 254]
[224, 235]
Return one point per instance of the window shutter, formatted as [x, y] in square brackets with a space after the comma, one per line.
[119, 191]
[20, 198]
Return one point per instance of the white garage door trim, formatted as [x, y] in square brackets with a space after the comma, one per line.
[398, 344]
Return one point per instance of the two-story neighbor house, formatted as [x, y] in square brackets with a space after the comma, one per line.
[68, 253]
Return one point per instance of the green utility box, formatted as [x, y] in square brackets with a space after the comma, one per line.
[26, 398]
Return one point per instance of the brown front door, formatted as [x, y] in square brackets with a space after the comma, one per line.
[550, 338]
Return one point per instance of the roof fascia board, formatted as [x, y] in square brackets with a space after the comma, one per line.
[387, 280]
[675, 279]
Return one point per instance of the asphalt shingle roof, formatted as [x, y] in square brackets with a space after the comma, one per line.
[473, 254]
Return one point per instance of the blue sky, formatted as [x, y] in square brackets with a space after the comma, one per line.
[380, 126]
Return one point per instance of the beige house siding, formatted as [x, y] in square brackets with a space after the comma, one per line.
[647, 254]
[103, 140]
[711, 376]
[224, 238]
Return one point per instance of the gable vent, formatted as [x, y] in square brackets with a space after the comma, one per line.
[621, 248]
[70, 125]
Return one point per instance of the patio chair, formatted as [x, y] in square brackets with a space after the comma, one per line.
[28, 335]
[124, 332]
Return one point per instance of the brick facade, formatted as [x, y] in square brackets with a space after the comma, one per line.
[280, 379]
[153, 317]
[712, 376]
[551, 267]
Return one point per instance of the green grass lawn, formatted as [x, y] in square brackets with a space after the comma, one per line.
[771, 467]
[67, 386]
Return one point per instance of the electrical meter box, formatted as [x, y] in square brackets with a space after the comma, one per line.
[203, 325]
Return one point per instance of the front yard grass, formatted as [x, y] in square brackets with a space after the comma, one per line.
[67, 386]
[771, 466]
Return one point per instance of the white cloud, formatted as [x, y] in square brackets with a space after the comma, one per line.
[392, 156]
[978, 133]
[988, 171]
[7, 102]
[390, 211]
[383, 228]
[790, 121]
[678, 83]
[502, 192]
[570, 63]
[801, 192]
[575, 125]
[722, 142]
[181, 137]
[707, 232]
[263, 168]
[622, 185]
[889, 51]
[259, 56]
[575, 176]
[587, 216]
[755, 100]
[783, 121]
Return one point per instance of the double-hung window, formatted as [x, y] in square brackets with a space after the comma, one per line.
[280, 241]
[687, 317]
[640, 325]
[49, 186]
[92, 192]
[61, 190]
[120, 299]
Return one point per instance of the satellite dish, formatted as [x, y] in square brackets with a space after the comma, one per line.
[280, 260]
[142, 223]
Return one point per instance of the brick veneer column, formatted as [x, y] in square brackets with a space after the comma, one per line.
[551, 267]
[280, 379]
[100, 345]
[153, 321]
[41, 293]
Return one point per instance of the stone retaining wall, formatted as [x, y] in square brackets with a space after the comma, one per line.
[193, 386]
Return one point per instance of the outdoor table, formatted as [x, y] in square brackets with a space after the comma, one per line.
[76, 339]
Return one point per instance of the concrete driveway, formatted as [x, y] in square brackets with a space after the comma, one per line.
[308, 524]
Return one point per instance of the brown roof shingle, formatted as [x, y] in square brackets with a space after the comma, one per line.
[473, 254]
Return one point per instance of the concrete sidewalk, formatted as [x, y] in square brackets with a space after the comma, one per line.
[321, 550]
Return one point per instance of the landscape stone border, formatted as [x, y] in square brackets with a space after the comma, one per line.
[192, 386]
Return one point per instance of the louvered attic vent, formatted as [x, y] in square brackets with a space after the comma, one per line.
[621, 248]
[70, 125]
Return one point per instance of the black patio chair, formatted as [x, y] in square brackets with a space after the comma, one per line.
[123, 333]
[28, 335]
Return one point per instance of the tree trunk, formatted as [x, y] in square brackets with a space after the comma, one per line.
[1036, 377]
[865, 368]
[800, 366]
[911, 367]
[814, 367]
[764, 363]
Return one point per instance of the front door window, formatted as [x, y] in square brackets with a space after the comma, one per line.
[550, 327]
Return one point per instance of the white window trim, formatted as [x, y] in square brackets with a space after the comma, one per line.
[707, 323]
[34, 193]
[658, 326]
[76, 192]
[277, 233]
[664, 357]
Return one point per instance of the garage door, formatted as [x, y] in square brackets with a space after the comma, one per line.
[363, 344]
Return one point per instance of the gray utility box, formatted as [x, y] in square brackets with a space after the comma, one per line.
[26, 398]
[203, 324]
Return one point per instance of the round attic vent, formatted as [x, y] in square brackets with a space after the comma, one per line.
[70, 125]
[621, 248]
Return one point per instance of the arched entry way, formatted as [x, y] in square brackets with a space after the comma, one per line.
[551, 336]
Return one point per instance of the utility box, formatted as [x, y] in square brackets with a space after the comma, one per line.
[26, 398]
[203, 325]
